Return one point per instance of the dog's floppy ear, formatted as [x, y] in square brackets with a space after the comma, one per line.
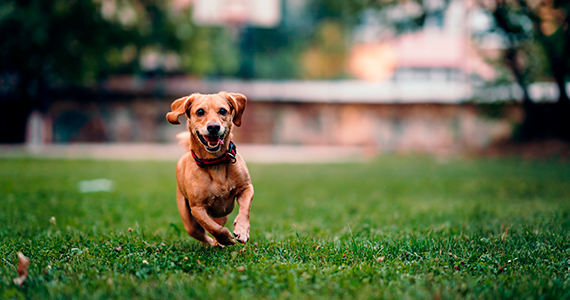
[238, 103]
[179, 107]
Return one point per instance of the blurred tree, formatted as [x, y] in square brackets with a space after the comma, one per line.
[60, 42]
[325, 58]
[76, 44]
[523, 26]
[410, 14]
[326, 52]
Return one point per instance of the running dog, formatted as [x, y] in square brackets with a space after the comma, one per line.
[211, 176]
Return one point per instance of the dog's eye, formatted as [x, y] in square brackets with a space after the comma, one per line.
[223, 111]
[200, 112]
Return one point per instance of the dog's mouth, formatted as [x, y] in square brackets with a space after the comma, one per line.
[213, 143]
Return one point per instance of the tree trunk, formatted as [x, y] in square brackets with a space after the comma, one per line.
[530, 128]
[550, 120]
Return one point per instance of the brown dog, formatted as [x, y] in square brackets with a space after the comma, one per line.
[211, 176]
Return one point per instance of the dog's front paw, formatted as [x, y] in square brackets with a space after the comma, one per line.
[241, 231]
[224, 237]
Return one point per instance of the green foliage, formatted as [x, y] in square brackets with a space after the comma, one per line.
[533, 52]
[407, 227]
[66, 39]
[83, 42]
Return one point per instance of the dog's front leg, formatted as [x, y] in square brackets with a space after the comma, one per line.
[241, 222]
[220, 233]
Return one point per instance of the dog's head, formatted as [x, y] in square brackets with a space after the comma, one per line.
[210, 117]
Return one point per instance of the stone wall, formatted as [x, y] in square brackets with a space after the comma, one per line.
[391, 127]
[432, 128]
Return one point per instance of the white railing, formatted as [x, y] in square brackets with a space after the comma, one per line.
[341, 91]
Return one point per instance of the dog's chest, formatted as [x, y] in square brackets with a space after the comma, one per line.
[221, 199]
[214, 189]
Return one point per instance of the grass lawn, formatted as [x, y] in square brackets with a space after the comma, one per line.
[398, 227]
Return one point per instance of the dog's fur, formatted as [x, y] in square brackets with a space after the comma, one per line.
[206, 196]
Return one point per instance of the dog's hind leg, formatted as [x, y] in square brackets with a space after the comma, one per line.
[191, 226]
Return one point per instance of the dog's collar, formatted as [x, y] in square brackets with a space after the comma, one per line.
[229, 157]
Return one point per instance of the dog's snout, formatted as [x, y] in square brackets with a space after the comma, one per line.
[213, 128]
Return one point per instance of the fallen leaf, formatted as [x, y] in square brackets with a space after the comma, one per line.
[380, 259]
[52, 221]
[240, 269]
[23, 264]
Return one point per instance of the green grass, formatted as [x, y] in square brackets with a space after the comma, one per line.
[479, 228]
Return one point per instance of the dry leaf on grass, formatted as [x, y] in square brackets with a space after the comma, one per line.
[23, 264]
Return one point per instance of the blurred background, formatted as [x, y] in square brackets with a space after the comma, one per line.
[422, 76]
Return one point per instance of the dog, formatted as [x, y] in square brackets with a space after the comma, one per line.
[211, 176]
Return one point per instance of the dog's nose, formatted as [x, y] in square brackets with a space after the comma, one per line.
[213, 128]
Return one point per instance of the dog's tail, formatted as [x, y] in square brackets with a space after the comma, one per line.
[184, 140]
